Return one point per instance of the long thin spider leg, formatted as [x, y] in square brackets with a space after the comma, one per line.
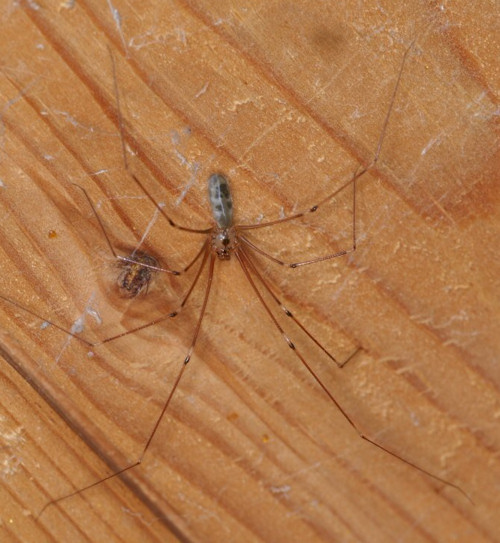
[169, 397]
[203, 308]
[162, 211]
[156, 268]
[329, 394]
[253, 268]
[129, 259]
[126, 468]
[52, 323]
[166, 316]
[313, 260]
[358, 174]
[93, 344]
[108, 241]
[193, 261]
[125, 161]
[351, 181]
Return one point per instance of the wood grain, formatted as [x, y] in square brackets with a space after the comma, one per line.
[287, 98]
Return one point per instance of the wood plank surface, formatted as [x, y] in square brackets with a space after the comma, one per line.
[288, 99]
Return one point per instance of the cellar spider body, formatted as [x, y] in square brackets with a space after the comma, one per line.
[224, 241]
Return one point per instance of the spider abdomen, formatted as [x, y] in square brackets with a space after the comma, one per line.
[221, 201]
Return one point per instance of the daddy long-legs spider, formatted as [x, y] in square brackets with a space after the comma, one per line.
[248, 250]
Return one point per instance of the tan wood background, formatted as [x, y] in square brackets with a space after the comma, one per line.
[287, 98]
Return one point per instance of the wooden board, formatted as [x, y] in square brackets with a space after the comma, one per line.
[288, 99]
